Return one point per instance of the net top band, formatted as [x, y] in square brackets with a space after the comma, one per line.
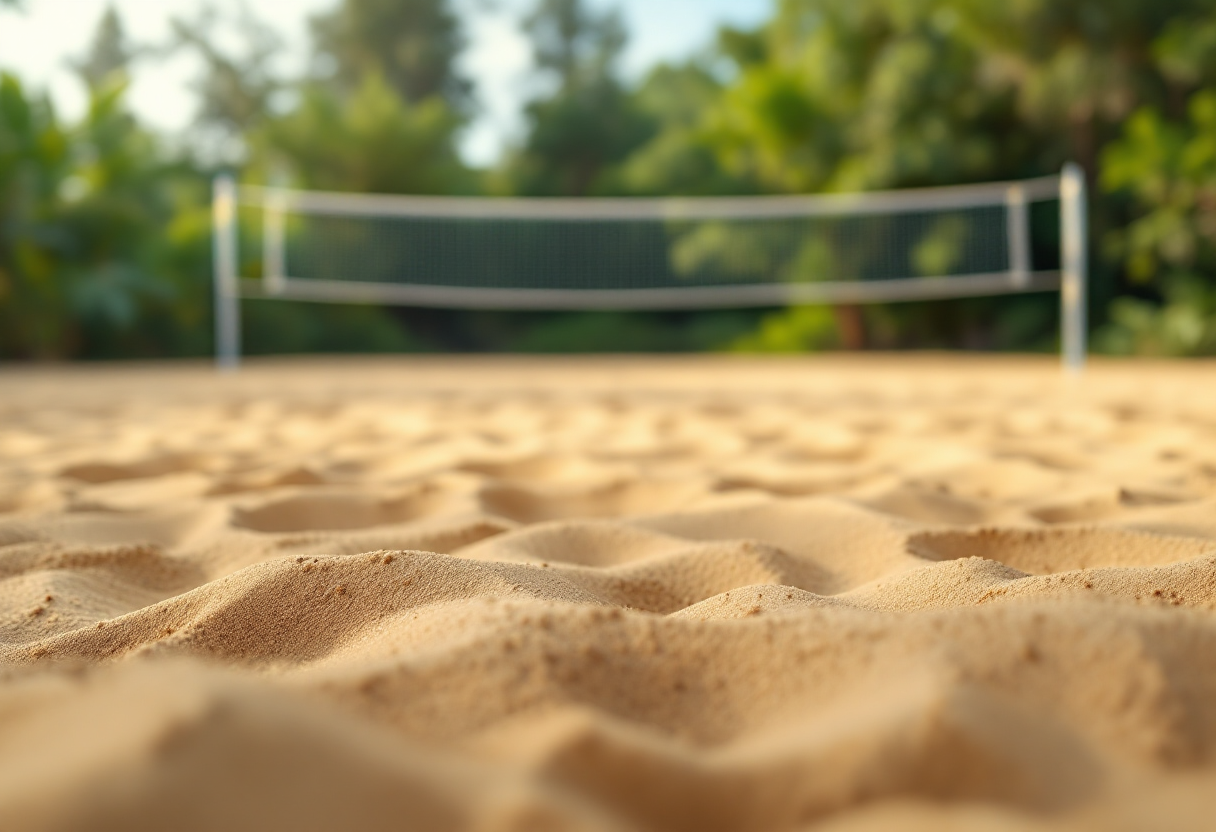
[909, 200]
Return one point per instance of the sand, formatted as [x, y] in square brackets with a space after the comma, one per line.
[682, 594]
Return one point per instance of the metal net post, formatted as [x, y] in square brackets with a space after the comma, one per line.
[274, 242]
[1073, 268]
[227, 289]
[1017, 235]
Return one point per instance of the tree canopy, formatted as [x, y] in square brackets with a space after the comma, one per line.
[412, 45]
[588, 121]
[238, 84]
[109, 57]
[104, 225]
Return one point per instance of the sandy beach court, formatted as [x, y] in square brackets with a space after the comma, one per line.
[854, 593]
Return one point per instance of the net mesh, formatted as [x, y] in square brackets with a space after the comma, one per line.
[634, 254]
[505, 252]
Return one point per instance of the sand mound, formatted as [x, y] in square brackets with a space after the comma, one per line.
[608, 596]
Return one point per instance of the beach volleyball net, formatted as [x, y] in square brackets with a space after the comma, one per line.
[651, 253]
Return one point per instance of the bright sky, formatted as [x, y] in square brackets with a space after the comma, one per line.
[38, 42]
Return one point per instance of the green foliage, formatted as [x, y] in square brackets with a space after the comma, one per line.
[574, 42]
[109, 59]
[575, 138]
[369, 140]
[114, 204]
[1185, 324]
[105, 238]
[799, 329]
[1186, 50]
[238, 85]
[34, 162]
[105, 247]
[1168, 169]
[678, 157]
[862, 94]
[742, 46]
[372, 141]
[847, 94]
[591, 122]
[626, 332]
[841, 95]
[83, 211]
[593, 332]
[412, 45]
[278, 327]
[719, 246]
[939, 252]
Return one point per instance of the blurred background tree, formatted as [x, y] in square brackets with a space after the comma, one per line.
[238, 86]
[1168, 168]
[369, 140]
[412, 46]
[587, 121]
[104, 226]
[86, 212]
[109, 58]
[34, 162]
[843, 95]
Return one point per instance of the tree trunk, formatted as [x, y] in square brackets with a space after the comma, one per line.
[850, 326]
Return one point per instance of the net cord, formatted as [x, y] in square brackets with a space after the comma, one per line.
[642, 208]
[691, 297]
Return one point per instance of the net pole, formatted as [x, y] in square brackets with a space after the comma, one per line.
[1073, 268]
[224, 272]
[274, 239]
[1017, 235]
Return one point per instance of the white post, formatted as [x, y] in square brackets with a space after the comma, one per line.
[274, 254]
[1073, 242]
[1017, 236]
[227, 288]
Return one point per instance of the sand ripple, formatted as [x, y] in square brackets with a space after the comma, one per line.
[608, 596]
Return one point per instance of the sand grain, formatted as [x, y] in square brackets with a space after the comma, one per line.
[848, 594]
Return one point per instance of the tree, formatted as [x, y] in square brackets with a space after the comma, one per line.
[109, 57]
[589, 122]
[34, 161]
[842, 95]
[1080, 68]
[846, 95]
[679, 157]
[238, 87]
[573, 42]
[83, 212]
[1123, 84]
[412, 44]
[1168, 169]
[369, 142]
[575, 138]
